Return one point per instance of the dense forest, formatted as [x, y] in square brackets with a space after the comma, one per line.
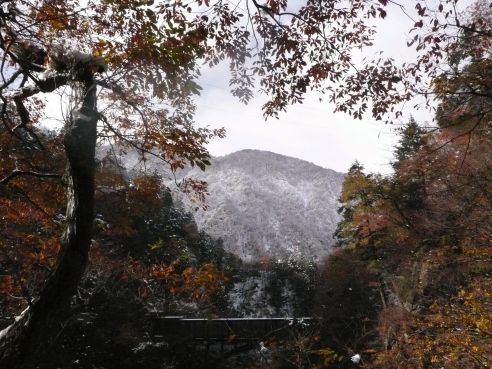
[90, 253]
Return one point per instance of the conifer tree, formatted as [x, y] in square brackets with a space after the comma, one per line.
[412, 138]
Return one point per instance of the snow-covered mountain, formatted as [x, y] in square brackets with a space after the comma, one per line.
[262, 203]
[266, 204]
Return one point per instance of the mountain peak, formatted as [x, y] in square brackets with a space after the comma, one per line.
[267, 155]
[263, 204]
[266, 204]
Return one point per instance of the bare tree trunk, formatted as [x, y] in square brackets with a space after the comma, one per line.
[32, 336]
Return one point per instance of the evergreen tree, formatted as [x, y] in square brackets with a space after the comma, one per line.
[407, 190]
[412, 138]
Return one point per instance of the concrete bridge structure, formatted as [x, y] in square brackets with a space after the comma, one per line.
[212, 340]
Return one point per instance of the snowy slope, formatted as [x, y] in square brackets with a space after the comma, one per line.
[266, 204]
[261, 203]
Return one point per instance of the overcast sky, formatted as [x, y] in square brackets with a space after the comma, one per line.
[310, 131]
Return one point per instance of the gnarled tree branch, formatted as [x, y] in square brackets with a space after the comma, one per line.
[18, 173]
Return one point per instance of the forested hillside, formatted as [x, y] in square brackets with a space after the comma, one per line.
[147, 256]
[261, 204]
[422, 237]
[423, 234]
